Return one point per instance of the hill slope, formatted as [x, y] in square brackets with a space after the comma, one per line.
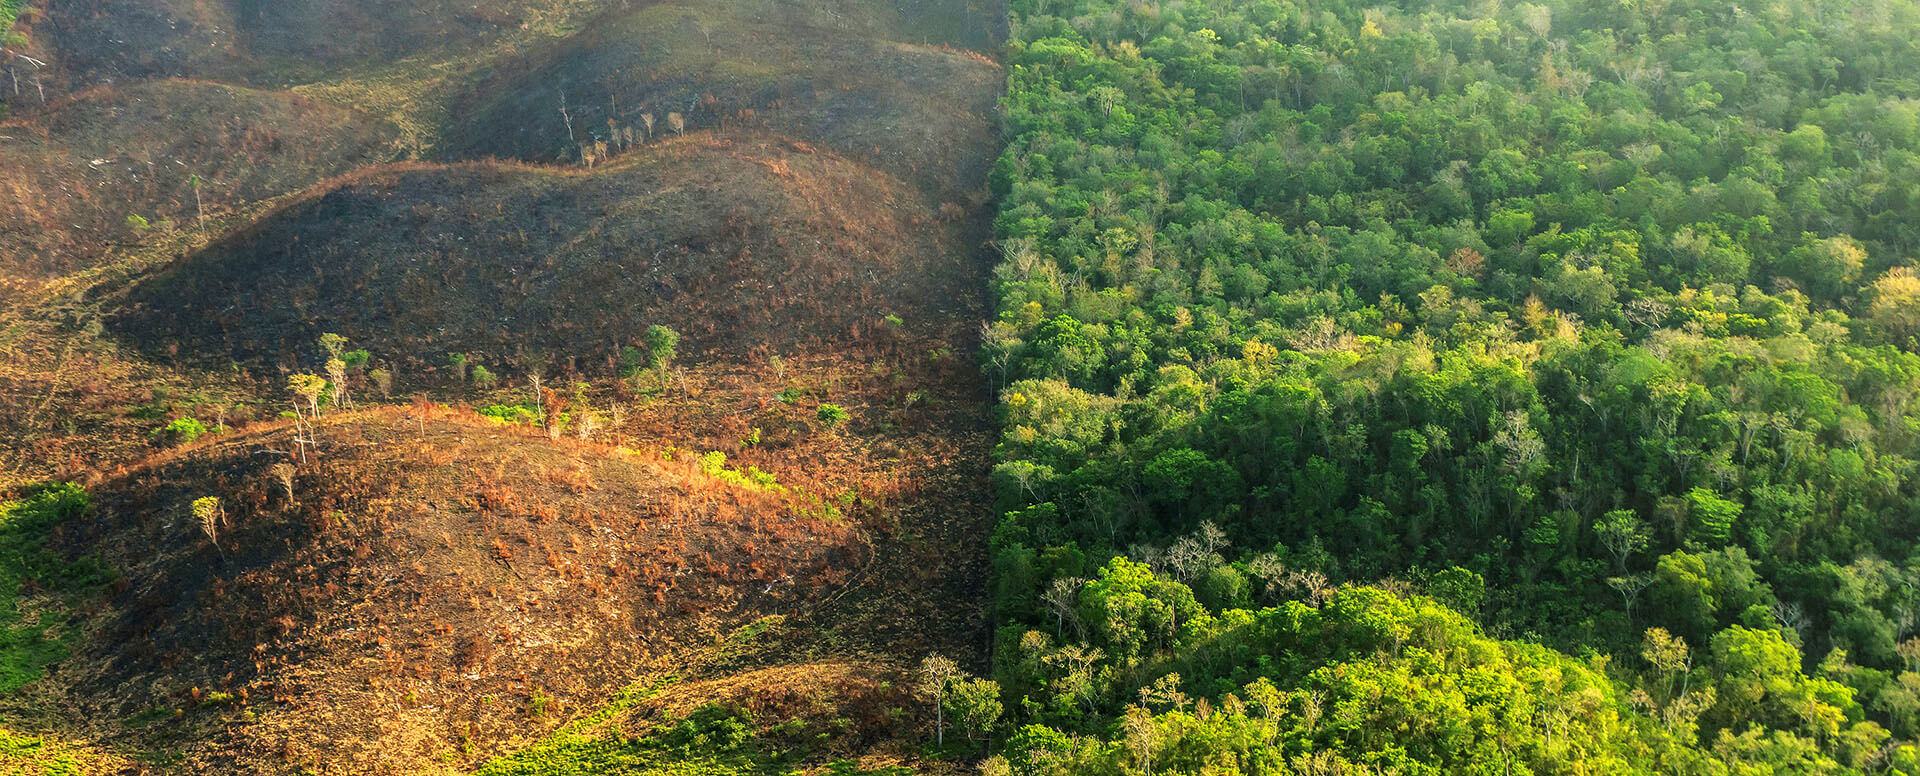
[263, 43]
[735, 240]
[72, 175]
[428, 582]
[855, 76]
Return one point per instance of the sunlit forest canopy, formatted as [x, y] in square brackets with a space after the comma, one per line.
[1586, 318]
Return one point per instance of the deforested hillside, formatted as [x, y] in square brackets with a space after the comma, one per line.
[471, 431]
[268, 44]
[422, 580]
[735, 240]
[107, 165]
[884, 86]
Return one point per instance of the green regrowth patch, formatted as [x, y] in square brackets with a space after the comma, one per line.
[522, 413]
[33, 579]
[714, 464]
[713, 740]
[9, 13]
[33, 756]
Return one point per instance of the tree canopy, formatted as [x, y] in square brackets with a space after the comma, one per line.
[1595, 320]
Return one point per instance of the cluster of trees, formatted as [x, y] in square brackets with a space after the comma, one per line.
[1591, 320]
[619, 139]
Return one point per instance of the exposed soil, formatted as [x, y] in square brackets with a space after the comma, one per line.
[735, 240]
[430, 573]
[73, 176]
[814, 229]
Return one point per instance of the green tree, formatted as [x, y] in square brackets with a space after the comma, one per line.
[662, 345]
[974, 705]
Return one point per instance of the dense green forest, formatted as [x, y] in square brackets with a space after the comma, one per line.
[1448, 387]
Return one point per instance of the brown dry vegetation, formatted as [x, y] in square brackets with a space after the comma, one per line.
[71, 175]
[266, 44]
[736, 240]
[428, 560]
[879, 84]
[434, 570]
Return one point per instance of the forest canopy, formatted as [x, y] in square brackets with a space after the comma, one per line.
[1581, 324]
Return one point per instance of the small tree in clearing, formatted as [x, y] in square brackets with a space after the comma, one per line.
[483, 378]
[209, 515]
[677, 123]
[937, 675]
[459, 363]
[585, 420]
[309, 388]
[553, 408]
[331, 344]
[337, 374]
[662, 346]
[382, 380]
[199, 211]
[647, 119]
[283, 472]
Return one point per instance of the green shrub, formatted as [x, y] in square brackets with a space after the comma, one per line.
[714, 464]
[179, 432]
[510, 413]
[833, 415]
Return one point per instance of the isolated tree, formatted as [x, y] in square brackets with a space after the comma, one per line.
[585, 420]
[210, 516]
[662, 347]
[283, 473]
[382, 380]
[483, 378]
[676, 122]
[309, 388]
[553, 408]
[936, 678]
[332, 344]
[647, 119]
[459, 363]
[199, 210]
[337, 373]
